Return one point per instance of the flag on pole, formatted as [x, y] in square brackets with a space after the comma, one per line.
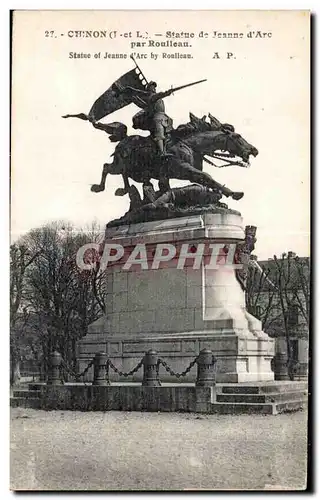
[112, 99]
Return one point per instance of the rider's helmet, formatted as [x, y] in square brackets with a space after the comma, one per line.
[151, 86]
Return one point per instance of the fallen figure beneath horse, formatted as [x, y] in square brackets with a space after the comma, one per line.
[176, 202]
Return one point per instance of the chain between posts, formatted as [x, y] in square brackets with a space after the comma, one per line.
[123, 374]
[151, 362]
[74, 374]
[172, 372]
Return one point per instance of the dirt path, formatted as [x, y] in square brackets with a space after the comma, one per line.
[153, 451]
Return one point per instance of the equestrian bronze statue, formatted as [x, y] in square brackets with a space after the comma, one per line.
[168, 152]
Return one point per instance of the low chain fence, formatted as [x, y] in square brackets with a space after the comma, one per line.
[59, 371]
[65, 370]
[172, 372]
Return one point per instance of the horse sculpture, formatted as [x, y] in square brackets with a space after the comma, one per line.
[135, 156]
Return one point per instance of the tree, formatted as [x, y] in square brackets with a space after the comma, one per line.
[278, 293]
[20, 260]
[61, 298]
[292, 280]
[261, 294]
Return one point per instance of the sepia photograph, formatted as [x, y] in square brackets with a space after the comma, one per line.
[160, 250]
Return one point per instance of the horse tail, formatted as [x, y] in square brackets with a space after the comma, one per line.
[116, 130]
[81, 116]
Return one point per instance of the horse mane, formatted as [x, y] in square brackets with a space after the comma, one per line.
[196, 125]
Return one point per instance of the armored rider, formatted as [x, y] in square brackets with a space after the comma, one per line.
[153, 116]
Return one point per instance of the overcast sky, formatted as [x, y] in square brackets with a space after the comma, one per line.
[263, 92]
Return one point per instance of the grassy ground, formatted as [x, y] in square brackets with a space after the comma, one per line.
[65, 450]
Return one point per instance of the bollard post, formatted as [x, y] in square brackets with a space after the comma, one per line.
[205, 375]
[54, 375]
[100, 369]
[150, 376]
[280, 367]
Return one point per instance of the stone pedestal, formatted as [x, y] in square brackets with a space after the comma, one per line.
[179, 311]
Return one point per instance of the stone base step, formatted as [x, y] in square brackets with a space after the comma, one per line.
[28, 402]
[242, 408]
[258, 408]
[35, 386]
[26, 394]
[256, 398]
[271, 397]
[284, 386]
[291, 406]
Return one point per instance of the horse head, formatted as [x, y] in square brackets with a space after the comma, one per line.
[221, 141]
[237, 147]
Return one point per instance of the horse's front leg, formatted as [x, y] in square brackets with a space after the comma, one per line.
[198, 164]
[185, 171]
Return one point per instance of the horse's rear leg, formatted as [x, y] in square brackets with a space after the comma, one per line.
[164, 184]
[126, 189]
[97, 188]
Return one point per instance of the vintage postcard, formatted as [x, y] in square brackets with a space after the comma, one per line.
[160, 254]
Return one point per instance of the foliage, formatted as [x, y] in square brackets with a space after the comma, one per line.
[278, 293]
[52, 300]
